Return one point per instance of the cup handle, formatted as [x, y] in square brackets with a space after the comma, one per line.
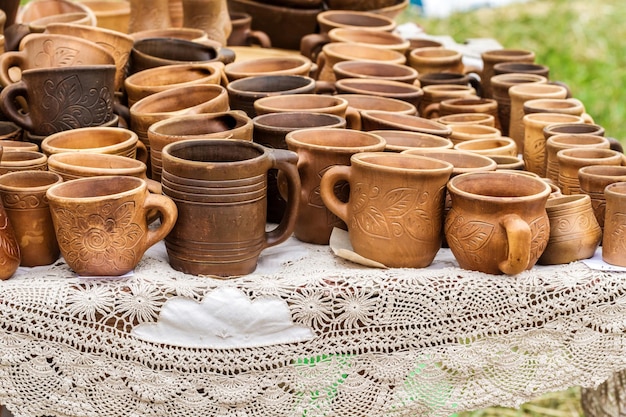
[321, 62]
[259, 37]
[519, 239]
[142, 152]
[9, 60]
[311, 44]
[431, 111]
[8, 98]
[285, 162]
[169, 214]
[353, 118]
[327, 190]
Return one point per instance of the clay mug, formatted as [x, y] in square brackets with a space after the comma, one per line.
[571, 106]
[521, 68]
[407, 194]
[283, 65]
[23, 160]
[9, 248]
[154, 80]
[270, 130]
[498, 221]
[118, 44]
[454, 78]
[500, 85]
[220, 189]
[109, 140]
[110, 15]
[593, 180]
[573, 129]
[401, 140]
[434, 59]
[18, 145]
[211, 16]
[191, 99]
[468, 104]
[462, 161]
[508, 162]
[61, 98]
[383, 120]
[331, 19]
[555, 143]
[242, 93]
[483, 119]
[489, 146]
[375, 69]
[242, 33]
[534, 153]
[464, 132]
[436, 93]
[222, 125]
[23, 195]
[383, 88]
[614, 237]
[496, 56]
[318, 150]
[521, 93]
[362, 102]
[101, 222]
[50, 51]
[574, 230]
[377, 38]
[190, 34]
[572, 159]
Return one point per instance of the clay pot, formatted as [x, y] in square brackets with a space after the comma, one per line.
[407, 230]
[462, 161]
[593, 180]
[482, 119]
[319, 149]
[463, 105]
[571, 106]
[464, 132]
[397, 90]
[23, 160]
[155, 52]
[558, 142]
[112, 15]
[101, 223]
[316, 103]
[489, 146]
[219, 187]
[449, 78]
[574, 230]
[435, 59]
[571, 160]
[242, 33]
[289, 65]
[362, 102]
[437, 93]
[377, 38]
[332, 19]
[508, 162]
[381, 120]
[376, 70]
[573, 129]
[18, 145]
[209, 15]
[496, 56]
[401, 140]
[189, 34]
[498, 221]
[614, 237]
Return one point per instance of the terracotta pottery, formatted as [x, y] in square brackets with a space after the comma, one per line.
[463, 105]
[318, 150]
[483, 119]
[557, 142]
[498, 221]
[362, 5]
[362, 102]
[521, 93]
[209, 15]
[572, 159]
[377, 38]
[571, 106]
[500, 85]
[331, 19]
[9, 248]
[23, 195]
[79, 18]
[40, 50]
[10, 131]
[489, 146]
[23, 160]
[573, 129]
[593, 180]
[116, 43]
[496, 56]
[535, 153]
[242, 33]
[317, 103]
[151, 15]
[37, 11]
[436, 93]
[508, 162]
[112, 15]
[401, 140]
[51, 108]
[101, 223]
[289, 65]
[219, 187]
[464, 132]
[303, 4]
[614, 237]
[18, 145]
[375, 69]
[189, 34]
[448, 78]
[270, 130]
[382, 120]
[574, 230]
[462, 161]
[407, 194]
[384, 88]
[176, 12]
[154, 80]
[220, 125]
[521, 68]
[434, 59]
[393, 11]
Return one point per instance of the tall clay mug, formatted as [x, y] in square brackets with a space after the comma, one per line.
[220, 189]
[101, 222]
[614, 236]
[498, 221]
[395, 210]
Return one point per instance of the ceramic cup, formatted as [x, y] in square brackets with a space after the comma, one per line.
[9, 247]
[489, 146]
[464, 132]
[242, 33]
[593, 180]
[437, 93]
[23, 160]
[401, 140]
[101, 223]
[496, 56]
[61, 99]
[407, 194]
[572, 159]
[23, 195]
[557, 142]
[318, 150]
[435, 59]
[375, 69]
[463, 105]
[397, 90]
[498, 221]
[571, 106]
[220, 189]
[383, 120]
[284, 65]
[154, 52]
[614, 237]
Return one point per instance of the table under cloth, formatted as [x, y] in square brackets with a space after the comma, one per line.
[307, 334]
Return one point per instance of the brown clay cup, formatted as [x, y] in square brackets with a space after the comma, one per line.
[464, 105]
[220, 189]
[496, 56]
[557, 142]
[362, 102]
[571, 160]
[383, 120]
[437, 93]
[61, 98]
[318, 150]
[405, 193]
[242, 33]
[23, 160]
[23, 195]
[468, 119]
[593, 180]
[383, 88]
[401, 140]
[285, 65]
[374, 69]
[502, 145]
[155, 52]
[435, 59]
[614, 237]
[101, 223]
[498, 221]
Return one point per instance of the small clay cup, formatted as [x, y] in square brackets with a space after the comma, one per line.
[435, 59]
[362, 102]
[101, 223]
[401, 140]
[155, 52]
[286, 65]
[502, 145]
[407, 231]
[521, 68]
[483, 119]
[382, 120]
[374, 69]
[331, 19]
[23, 160]
[571, 106]
[437, 93]
[384, 88]
[18, 145]
[189, 34]
[463, 105]
[462, 132]
[593, 180]
[614, 237]
[316, 103]
[557, 142]
[23, 195]
[242, 33]
[496, 56]
[572, 159]
[508, 162]
[377, 38]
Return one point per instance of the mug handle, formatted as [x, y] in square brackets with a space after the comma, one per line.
[8, 98]
[311, 44]
[353, 118]
[168, 214]
[285, 162]
[327, 190]
[258, 37]
[519, 239]
[9, 60]
[431, 109]
[142, 152]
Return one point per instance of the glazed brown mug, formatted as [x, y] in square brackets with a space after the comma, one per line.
[614, 237]
[23, 195]
[61, 99]
[498, 221]
[101, 222]
[220, 189]
[318, 150]
[406, 193]
[593, 180]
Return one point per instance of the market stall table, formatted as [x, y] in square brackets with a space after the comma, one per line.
[308, 334]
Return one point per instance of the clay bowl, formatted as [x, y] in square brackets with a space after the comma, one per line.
[381, 120]
[394, 10]
[39, 9]
[189, 34]
[40, 25]
[384, 88]
[289, 65]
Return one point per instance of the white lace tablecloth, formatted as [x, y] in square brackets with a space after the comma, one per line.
[308, 334]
